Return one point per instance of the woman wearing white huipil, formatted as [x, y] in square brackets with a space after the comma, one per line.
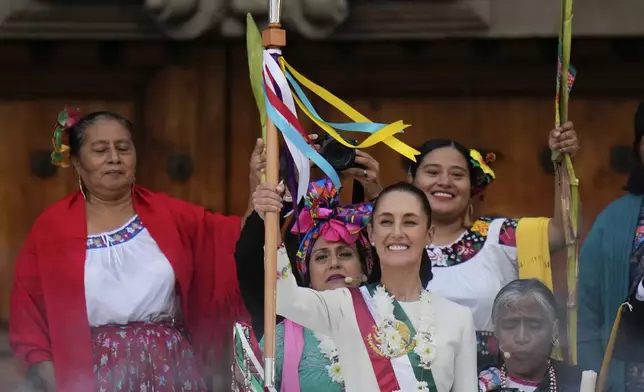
[391, 335]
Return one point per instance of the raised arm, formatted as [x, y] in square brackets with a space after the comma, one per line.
[562, 139]
[319, 311]
[249, 258]
[465, 368]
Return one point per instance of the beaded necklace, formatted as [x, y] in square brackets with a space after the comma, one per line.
[551, 375]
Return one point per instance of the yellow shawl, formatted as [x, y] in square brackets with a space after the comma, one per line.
[534, 256]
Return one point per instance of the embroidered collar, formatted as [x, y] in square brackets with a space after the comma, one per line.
[470, 243]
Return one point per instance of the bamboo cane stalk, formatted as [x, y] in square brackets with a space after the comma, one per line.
[570, 206]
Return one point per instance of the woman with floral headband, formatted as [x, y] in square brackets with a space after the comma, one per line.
[116, 287]
[391, 334]
[473, 258]
[250, 247]
[333, 252]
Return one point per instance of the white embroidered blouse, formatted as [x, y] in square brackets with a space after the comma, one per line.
[127, 277]
[473, 269]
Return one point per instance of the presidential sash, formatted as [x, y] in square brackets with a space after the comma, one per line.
[401, 373]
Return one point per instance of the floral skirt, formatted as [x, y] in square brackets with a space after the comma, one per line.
[145, 357]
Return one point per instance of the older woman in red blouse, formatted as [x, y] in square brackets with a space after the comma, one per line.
[118, 288]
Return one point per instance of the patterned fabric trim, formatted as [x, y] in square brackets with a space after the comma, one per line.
[508, 234]
[639, 231]
[117, 237]
[489, 379]
[486, 344]
[635, 371]
[470, 243]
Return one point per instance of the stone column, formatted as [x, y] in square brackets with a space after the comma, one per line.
[315, 19]
[312, 19]
[186, 19]
[9, 7]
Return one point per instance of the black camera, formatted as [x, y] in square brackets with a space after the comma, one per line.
[339, 156]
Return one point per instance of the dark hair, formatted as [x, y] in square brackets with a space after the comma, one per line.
[635, 182]
[362, 257]
[77, 132]
[292, 244]
[425, 264]
[479, 180]
[435, 144]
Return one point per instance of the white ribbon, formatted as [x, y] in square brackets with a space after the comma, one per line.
[301, 161]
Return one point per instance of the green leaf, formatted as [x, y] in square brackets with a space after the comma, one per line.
[58, 137]
[62, 118]
[255, 50]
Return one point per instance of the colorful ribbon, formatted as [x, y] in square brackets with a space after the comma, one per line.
[277, 76]
[572, 75]
[292, 130]
[285, 104]
[380, 132]
[323, 216]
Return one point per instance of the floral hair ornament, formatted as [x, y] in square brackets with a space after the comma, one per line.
[323, 216]
[483, 175]
[66, 119]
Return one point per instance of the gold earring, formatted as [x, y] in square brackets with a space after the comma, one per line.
[82, 189]
[469, 216]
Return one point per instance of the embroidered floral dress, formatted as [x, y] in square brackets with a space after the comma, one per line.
[138, 344]
[473, 269]
[314, 368]
[635, 371]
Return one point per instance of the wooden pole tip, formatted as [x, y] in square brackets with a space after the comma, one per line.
[274, 36]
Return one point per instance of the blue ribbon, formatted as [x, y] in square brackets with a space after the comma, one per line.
[366, 127]
[292, 134]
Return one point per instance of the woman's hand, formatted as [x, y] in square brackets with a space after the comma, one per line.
[368, 175]
[268, 198]
[564, 139]
[257, 164]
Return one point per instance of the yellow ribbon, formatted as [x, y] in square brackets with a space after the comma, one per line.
[385, 135]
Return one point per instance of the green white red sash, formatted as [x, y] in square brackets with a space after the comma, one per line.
[402, 373]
